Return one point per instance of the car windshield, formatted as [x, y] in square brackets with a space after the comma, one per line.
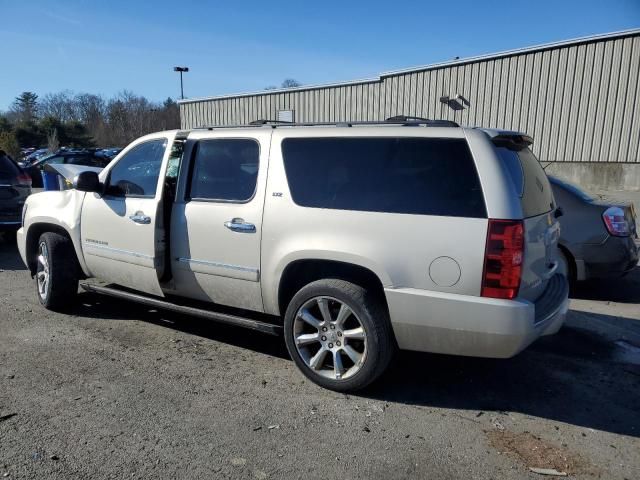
[44, 158]
[573, 188]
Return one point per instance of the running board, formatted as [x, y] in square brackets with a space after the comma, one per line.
[225, 318]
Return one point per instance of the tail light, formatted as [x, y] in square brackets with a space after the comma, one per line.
[23, 179]
[616, 222]
[503, 258]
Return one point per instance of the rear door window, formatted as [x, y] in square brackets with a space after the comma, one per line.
[420, 176]
[529, 180]
[225, 170]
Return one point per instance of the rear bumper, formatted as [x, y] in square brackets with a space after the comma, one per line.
[440, 322]
[10, 217]
[613, 258]
[7, 225]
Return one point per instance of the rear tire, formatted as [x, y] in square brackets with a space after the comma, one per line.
[339, 334]
[56, 276]
[567, 267]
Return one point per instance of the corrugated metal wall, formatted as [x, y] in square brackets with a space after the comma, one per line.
[580, 102]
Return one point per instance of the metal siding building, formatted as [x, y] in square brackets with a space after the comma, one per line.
[579, 99]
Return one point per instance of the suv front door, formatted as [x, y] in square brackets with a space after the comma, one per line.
[216, 223]
[122, 229]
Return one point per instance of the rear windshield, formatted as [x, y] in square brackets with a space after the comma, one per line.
[529, 180]
[421, 176]
[8, 170]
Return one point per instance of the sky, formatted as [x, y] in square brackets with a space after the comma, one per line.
[104, 47]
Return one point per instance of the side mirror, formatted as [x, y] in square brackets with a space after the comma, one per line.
[87, 182]
[558, 212]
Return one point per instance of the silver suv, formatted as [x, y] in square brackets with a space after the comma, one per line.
[350, 239]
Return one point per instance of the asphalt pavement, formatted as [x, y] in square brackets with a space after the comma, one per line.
[116, 390]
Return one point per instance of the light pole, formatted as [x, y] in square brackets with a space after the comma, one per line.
[181, 70]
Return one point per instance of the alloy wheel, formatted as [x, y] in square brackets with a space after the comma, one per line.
[42, 272]
[330, 338]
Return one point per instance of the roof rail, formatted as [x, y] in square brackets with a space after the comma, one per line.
[400, 120]
[420, 120]
[269, 122]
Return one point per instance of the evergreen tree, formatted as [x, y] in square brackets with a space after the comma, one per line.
[25, 107]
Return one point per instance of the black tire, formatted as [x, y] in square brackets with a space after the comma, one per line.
[371, 313]
[62, 285]
[567, 266]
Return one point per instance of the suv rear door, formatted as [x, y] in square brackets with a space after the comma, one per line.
[541, 228]
[216, 223]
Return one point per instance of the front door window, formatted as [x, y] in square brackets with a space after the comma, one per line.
[136, 173]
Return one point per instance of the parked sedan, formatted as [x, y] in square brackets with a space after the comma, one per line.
[15, 187]
[598, 239]
[65, 157]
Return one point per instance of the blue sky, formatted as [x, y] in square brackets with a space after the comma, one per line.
[238, 46]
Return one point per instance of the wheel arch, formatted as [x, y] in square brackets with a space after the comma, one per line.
[31, 243]
[301, 272]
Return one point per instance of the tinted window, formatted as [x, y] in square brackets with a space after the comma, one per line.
[511, 160]
[424, 176]
[225, 170]
[8, 170]
[136, 173]
[531, 182]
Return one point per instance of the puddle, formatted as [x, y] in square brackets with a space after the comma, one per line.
[626, 353]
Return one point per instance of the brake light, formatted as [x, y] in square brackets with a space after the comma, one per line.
[23, 179]
[616, 222]
[503, 258]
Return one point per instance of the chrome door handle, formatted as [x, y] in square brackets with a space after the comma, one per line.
[239, 225]
[141, 218]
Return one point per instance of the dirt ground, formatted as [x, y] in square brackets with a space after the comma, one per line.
[116, 390]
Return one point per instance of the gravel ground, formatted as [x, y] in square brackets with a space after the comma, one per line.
[116, 390]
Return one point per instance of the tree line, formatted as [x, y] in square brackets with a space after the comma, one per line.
[82, 120]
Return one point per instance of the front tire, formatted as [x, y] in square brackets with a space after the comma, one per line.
[56, 271]
[339, 334]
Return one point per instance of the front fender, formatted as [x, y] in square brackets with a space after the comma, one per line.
[58, 209]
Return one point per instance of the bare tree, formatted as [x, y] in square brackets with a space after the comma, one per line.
[113, 122]
[52, 140]
[290, 83]
[59, 105]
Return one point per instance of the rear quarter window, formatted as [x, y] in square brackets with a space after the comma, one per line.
[529, 180]
[420, 176]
